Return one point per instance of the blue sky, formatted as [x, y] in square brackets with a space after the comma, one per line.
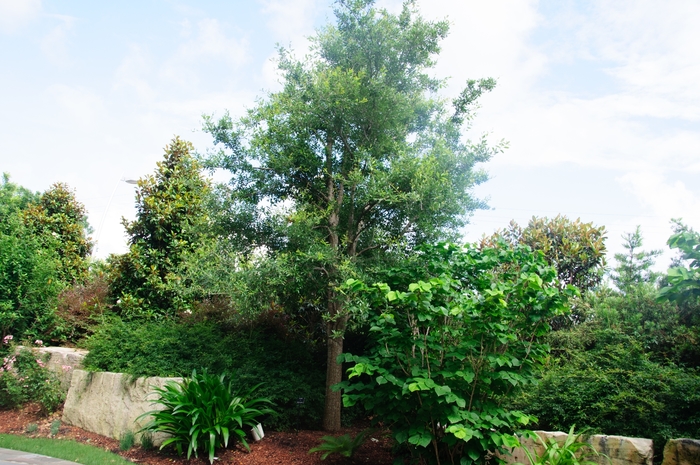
[598, 100]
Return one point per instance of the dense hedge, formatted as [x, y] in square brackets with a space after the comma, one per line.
[614, 387]
[288, 369]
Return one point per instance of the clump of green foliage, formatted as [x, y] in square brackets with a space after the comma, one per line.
[572, 452]
[344, 445]
[613, 387]
[448, 350]
[203, 412]
[25, 378]
[147, 441]
[55, 427]
[44, 249]
[127, 440]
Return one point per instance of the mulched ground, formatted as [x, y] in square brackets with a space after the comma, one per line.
[275, 448]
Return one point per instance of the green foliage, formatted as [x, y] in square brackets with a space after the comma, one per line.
[657, 326]
[203, 412]
[287, 368]
[572, 452]
[29, 271]
[170, 223]
[684, 281]
[29, 283]
[25, 378]
[613, 387]
[127, 440]
[575, 249]
[634, 266]
[31, 428]
[449, 350]
[43, 249]
[147, 441]
[355, 158]
[344, 445]
[55, 427]
[60, 221]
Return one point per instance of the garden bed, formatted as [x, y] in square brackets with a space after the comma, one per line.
[276, 448]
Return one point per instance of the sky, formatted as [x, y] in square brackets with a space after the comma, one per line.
[598, 101]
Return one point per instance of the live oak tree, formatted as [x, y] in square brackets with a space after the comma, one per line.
[354, 159]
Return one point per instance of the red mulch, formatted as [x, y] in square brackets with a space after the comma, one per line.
[276, 447]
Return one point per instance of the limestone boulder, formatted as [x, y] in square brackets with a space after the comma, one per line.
[110, 403]
[63, 361]
[621, 450]
[682, 452]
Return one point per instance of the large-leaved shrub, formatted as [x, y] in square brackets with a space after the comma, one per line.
[449, 349]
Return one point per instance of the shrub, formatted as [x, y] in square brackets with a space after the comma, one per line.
[25, 378]
[127, 440]
[614, 388]
[80, 308]
[203, 412]
[147, 441]
[447, 351]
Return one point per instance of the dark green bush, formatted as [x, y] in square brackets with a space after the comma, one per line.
[614, 388]
[288, 369]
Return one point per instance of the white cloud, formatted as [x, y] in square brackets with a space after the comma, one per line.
[206, 42]
[77, 105]
[134, 72]
[671, 199]
[292, 21]
[54, 44]
[16, 13]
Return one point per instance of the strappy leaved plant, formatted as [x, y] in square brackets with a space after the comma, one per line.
[203, 412]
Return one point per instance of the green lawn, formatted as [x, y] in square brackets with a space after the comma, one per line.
[62, 449]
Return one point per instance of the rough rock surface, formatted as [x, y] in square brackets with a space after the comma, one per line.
[109, 403]
[63, 362]
[621, 450]
[682, 452]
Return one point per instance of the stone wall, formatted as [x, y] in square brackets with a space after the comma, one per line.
[621, 450]
[109, 403]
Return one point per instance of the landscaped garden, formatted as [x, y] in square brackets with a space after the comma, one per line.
[320, 291]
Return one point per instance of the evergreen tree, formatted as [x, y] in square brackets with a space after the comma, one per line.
[634, 266]
[170, 223]
[359, 153]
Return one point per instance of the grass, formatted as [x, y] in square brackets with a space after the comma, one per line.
[62, 449]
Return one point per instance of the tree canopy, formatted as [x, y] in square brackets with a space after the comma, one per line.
[356, 157]
[576, 249]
